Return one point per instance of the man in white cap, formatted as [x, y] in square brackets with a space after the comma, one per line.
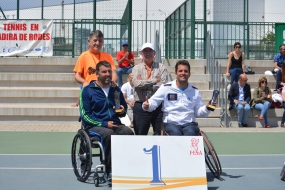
[148, 76]
[125, 60]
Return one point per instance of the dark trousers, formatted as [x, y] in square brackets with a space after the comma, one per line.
[106, 135]
[189, 129]
[143, 119]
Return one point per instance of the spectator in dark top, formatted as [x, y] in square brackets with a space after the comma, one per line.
[235, 63]
[279, 58]
[239, 97]
[280, 78]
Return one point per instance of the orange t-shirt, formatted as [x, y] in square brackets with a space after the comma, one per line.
[87, 61]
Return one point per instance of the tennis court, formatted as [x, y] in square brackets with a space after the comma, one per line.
[41, 160]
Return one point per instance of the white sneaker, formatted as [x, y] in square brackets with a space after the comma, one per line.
[229, 86]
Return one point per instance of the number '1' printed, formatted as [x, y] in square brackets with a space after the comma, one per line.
[156, 165]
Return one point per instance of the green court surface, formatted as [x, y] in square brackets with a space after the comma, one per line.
[225, 143]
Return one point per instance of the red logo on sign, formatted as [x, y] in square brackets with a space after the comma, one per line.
[195, 147]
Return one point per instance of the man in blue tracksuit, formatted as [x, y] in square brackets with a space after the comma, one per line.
[97, 108]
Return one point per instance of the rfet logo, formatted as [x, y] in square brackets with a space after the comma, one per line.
[195, 147]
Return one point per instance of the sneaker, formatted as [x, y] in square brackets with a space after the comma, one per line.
[240, 125]
[260, 117]
[266, 126]
[229, 86]
[109, 177]
[245, 125]
[282, 124]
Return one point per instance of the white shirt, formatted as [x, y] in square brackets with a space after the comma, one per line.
[179, 107]
[128, 90]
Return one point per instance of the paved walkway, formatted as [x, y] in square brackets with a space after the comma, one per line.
[75, 126]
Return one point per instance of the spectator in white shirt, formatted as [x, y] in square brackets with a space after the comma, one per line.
[128, 92]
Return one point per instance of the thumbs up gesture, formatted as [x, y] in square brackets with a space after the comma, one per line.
[146, 104]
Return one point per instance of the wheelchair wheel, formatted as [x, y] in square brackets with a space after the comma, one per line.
[96, 179]
[81, 155]
[211, 157]
[283, 173]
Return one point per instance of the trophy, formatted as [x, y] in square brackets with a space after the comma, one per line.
[211, 106]
[117, 102]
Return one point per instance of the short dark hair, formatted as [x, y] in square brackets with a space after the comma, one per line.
[281, 46]
[182, 62]
[96, 33]
[237, 44]
[102, 63]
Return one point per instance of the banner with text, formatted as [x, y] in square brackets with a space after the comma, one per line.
[26, 37]
[158, 162]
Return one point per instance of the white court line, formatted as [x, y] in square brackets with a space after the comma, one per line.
[272, 168]
[13, 168]
[251, 155]
[35, 154]
[222, 155]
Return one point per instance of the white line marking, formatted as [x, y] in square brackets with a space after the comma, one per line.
[222, 155]
[272, 168]
[250, 155]
[35, 154]
[11, 168]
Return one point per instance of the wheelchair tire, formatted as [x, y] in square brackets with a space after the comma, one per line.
[211, 157]
[283, 173]
[81, 155]
[96, 179]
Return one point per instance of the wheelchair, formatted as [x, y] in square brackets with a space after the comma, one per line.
[282, 174]
[211, 157]
[81, 157]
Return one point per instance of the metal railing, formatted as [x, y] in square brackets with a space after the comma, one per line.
[225, 117]
[213, 67]
[157, 47]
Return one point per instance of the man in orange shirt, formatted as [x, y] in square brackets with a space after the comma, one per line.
[86, 64]
[125, 60]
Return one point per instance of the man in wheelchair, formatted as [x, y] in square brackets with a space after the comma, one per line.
[97, 108]
[182, 103]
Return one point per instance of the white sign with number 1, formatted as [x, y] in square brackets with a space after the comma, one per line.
[158, 162]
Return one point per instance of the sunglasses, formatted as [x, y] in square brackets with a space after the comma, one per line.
[264, 81]
[237, 47]
[147, 51]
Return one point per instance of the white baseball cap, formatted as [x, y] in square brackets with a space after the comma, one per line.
[148, 45]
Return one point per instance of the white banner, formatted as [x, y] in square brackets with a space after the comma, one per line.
[26, 37]
[158, 162]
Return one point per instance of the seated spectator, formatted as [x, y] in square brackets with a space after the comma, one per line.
[239, 97]
[279, 58]
[262, 100]
[128, 92]
[235, 63]
[97, 103]
[125, 60]
[280, 77]
[283, 104]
